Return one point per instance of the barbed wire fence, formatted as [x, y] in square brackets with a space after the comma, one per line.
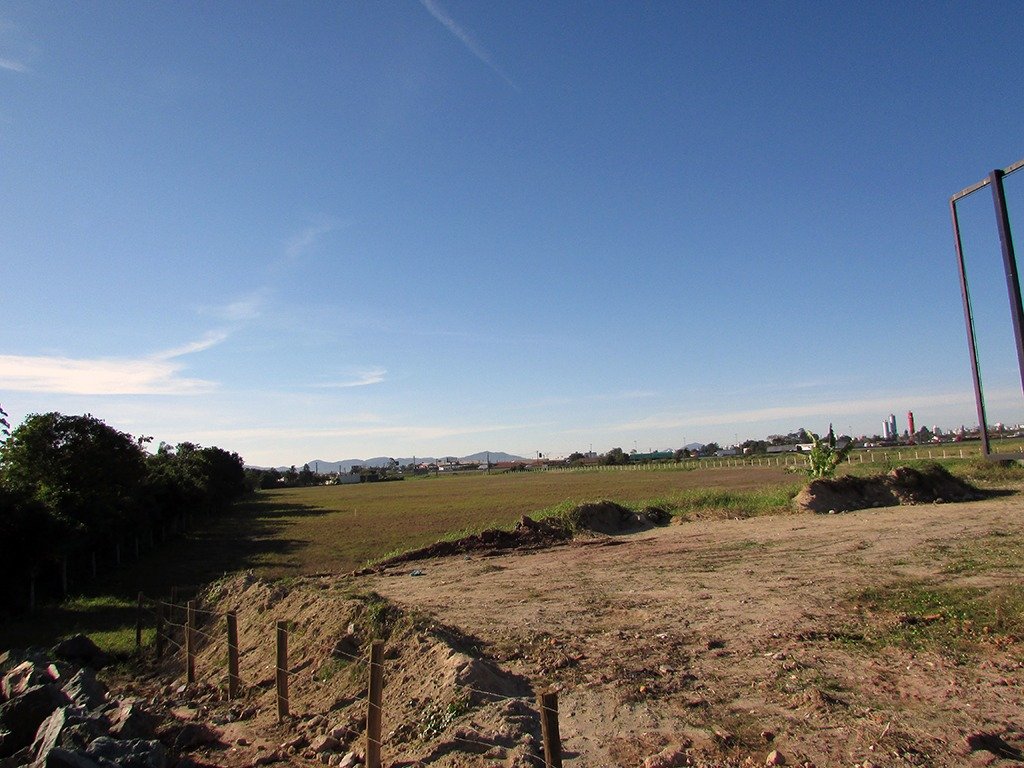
[181, 620]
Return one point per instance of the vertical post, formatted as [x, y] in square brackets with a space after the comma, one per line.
[282, 670]
[160, 630]
[190, 643]
[232, 621]
[138, 624]
[548, 705]
[1010, 266]
[373, 709]
[972, 344]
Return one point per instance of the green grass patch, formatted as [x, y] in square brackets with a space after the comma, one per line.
[949, 619]
[704, 502]
[108, 620]
[1000, 551]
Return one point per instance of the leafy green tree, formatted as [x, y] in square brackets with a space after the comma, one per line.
[84, 473]
[614, 457]
[306, 476]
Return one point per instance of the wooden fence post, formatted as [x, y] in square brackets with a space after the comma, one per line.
[190, 643]
[548, 705]
[232, 621]
[138, 624]
[282, 670]
[160, 630]
[373, 708]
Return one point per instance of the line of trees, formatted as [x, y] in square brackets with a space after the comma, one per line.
[72, 487]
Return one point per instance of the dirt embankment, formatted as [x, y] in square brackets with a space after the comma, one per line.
[443, 704]
[604, 517]
[900, 486]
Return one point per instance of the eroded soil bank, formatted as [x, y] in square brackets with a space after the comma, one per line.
[834, 640]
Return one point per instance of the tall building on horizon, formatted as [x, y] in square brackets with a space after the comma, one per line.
[910, 423]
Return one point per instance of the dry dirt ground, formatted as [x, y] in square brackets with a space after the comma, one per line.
[717, 642]
[706, 643]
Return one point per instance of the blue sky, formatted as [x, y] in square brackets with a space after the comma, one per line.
[331, 230]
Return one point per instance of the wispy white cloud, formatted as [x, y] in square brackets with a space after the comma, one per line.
[13, 66]
[69, 376]
[361, 378]
[157, 374]
[302, 241]
[406, 433]
[608, 397]
[211, 339]
[16, 48]
[240, 310]
[826, 409]
[463, 36]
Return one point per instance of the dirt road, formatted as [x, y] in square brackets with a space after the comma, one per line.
[718, 642]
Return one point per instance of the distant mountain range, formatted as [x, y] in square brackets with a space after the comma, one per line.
[327, 467]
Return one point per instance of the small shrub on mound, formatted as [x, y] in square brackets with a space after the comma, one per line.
[902, 485]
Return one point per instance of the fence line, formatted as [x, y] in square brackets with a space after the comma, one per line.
[163, 617]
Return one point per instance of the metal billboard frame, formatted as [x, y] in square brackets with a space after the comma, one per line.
[994, 180]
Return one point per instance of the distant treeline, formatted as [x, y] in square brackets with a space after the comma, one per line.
[73, 489]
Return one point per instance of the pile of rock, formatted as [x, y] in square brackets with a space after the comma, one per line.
[56, 714]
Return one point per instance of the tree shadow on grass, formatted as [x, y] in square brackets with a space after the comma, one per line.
[249, 535]
[253, 534]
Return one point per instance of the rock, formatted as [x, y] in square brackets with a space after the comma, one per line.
[267, 759]
[58, 757]
[325, 743]
[129, 753]
[49, 733]
[82, 651]
[26, 675]
[193, 735]
[131, 721]
[670, 757]
[20, 718]
[350, 760]
[342, 732]
[775, 758]
[85, 690]
[298, 742]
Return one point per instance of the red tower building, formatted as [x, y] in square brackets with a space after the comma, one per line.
[910, 423]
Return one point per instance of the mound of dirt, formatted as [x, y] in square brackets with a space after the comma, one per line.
[605, 517]
[902, 485]
[611, 518]
[444, 704]
[528, 534]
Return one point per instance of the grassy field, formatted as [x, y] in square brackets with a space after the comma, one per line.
[331, 529]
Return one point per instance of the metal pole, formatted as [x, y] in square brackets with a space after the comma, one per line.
[1010, 265]
[972, 344]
